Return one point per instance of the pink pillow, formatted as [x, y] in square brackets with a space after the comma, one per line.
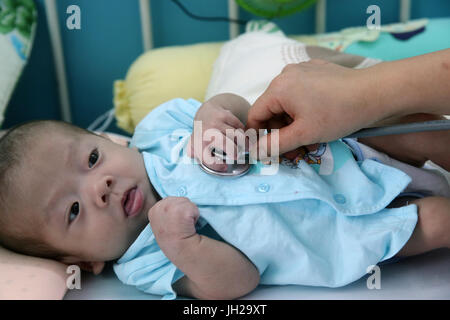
[25, 278]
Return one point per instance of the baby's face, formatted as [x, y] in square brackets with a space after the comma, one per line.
[91, 194]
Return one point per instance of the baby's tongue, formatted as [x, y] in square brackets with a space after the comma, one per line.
[130, 201]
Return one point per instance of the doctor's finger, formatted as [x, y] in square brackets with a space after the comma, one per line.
[265, 108]
[289, 138]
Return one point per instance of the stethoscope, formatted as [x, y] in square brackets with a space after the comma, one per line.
[242, 167]
[234, 168]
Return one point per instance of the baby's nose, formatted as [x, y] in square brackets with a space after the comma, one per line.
[103, 191]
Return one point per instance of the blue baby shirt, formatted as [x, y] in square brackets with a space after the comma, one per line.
[321, 221]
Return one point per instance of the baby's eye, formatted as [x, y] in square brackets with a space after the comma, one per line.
[93, 157]
[74, 210]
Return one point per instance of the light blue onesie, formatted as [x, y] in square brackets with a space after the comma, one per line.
[320, 222]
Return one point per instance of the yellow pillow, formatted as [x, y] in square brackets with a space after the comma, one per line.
[161, 75]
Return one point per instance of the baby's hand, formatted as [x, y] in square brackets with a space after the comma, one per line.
[173, 219]
[216, 128]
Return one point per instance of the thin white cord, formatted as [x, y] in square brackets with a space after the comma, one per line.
[106, 118]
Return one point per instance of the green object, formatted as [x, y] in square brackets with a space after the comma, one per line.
[17, 28]
[270, 9]
[17, 14]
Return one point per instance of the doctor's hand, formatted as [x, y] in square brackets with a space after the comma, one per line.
[310, 102]
[318, 101]
[216, 128]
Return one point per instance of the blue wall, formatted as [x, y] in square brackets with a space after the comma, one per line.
[110, 40]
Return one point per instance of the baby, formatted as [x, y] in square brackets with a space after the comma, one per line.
[322, 220]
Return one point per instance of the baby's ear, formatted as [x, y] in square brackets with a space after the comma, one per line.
[94, 267]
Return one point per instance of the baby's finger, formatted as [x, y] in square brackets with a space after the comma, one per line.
[211, 160]
[233, 121]
[242, 140]
[226, 149]
[194, 212]
[234, 142]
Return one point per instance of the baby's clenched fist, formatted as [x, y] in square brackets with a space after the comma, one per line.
[173, 219]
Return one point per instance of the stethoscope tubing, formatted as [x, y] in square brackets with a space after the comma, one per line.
[435, 125]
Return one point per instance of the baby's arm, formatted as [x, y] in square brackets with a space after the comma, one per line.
[213, 269]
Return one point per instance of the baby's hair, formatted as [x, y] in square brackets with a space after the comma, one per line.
[15, 145]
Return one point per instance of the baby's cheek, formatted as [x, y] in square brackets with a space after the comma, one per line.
[113, 248]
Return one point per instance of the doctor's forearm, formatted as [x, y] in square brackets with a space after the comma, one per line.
[419, 84]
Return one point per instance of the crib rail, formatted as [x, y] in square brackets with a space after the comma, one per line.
[58, 59]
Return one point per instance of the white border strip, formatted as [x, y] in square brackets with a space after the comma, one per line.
[146, 24]
[58, 58]
[233, 13]
[321, 16]
[405, 10]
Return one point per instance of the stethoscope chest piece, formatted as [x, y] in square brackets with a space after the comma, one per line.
[233, 170]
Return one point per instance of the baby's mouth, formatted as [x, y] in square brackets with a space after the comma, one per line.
[132, 202]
